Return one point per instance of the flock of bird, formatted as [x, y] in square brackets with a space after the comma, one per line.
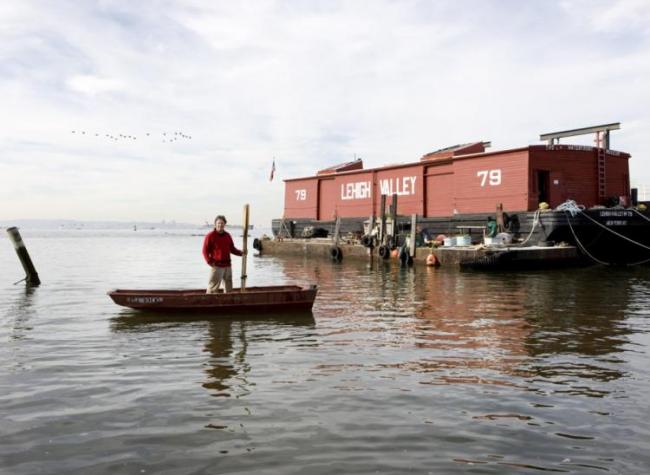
[167, 137]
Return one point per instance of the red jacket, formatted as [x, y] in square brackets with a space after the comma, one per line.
[217, 249]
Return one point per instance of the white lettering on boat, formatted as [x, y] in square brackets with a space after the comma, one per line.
[144, 299]
[582, 148]
[401, 186]
[616, 222]
[619, 213]
[356, 191]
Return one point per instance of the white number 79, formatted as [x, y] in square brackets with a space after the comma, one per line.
[490, 177]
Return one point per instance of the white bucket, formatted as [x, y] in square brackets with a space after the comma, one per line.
[464, 240]
[449, 241]
[488, 241]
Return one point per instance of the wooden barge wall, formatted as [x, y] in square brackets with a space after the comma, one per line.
[461, 181]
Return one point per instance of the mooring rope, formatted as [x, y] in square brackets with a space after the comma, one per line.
[583, 248]
[647, 219]
[571, 206]
[536, 219]
[641, 214]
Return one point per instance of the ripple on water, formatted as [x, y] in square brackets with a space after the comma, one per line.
[396, 370]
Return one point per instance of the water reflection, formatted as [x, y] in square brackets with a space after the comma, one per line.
[225, 339]
[515, 329]
[398, 370]
[227, 367]
[579, 314]
[22, 310]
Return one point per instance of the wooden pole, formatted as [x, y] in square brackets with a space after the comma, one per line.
[23, 255]
[393, 217]
[337, 230]
[244, 249]
[500, 221]
[414, 223]
[382, 220]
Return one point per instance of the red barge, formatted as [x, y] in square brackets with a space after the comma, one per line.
[460, 187]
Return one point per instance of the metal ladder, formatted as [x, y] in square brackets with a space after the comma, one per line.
[602, 178]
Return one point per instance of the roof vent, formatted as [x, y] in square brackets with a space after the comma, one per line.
[342, 167]
[457, 150]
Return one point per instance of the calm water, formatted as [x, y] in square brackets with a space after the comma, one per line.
[395, 371]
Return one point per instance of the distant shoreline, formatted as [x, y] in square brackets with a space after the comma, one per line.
[79, 224]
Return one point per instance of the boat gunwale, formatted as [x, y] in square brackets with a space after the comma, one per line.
[189, 292]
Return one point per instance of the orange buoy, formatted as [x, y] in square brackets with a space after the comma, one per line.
[394, 253]
[440, 237]
[432, 260]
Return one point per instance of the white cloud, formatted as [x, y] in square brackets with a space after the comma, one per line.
[93, 85]
[617, 16]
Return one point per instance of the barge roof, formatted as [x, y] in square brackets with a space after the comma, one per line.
[447, 160]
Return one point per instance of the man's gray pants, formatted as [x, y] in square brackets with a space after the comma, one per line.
[218, 274]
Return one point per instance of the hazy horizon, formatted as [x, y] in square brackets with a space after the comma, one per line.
[35, 222]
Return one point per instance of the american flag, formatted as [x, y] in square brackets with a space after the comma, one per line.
[272, 171]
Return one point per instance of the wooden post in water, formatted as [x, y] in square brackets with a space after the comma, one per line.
[337, 230]
[23, 255]
[393, 217]
[382, 220]
[244, 250]
[500, 220]
[414, 223]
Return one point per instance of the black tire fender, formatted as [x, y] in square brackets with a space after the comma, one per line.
[335, 253]
[257, 244]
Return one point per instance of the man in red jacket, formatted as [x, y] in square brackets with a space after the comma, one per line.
[217, 247]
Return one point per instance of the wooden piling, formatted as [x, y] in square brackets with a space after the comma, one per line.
[393, 217]
[501, 227]
[382, 217]
[337, 231]
[30, 271]
[414, 223]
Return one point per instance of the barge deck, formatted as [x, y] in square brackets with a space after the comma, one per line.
[477, 257]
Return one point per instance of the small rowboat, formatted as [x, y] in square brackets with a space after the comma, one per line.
[253, 299]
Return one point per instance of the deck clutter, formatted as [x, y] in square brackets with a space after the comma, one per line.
[562, 203]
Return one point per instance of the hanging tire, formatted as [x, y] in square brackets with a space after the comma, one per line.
[384, 252]
[335, 253]
[257, 245]
[366, 241]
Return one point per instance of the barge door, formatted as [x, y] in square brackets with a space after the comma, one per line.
[543, 180]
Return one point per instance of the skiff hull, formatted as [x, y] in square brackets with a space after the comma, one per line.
[254, 299]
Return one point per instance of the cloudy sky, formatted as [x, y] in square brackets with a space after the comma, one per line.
[174, 109]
